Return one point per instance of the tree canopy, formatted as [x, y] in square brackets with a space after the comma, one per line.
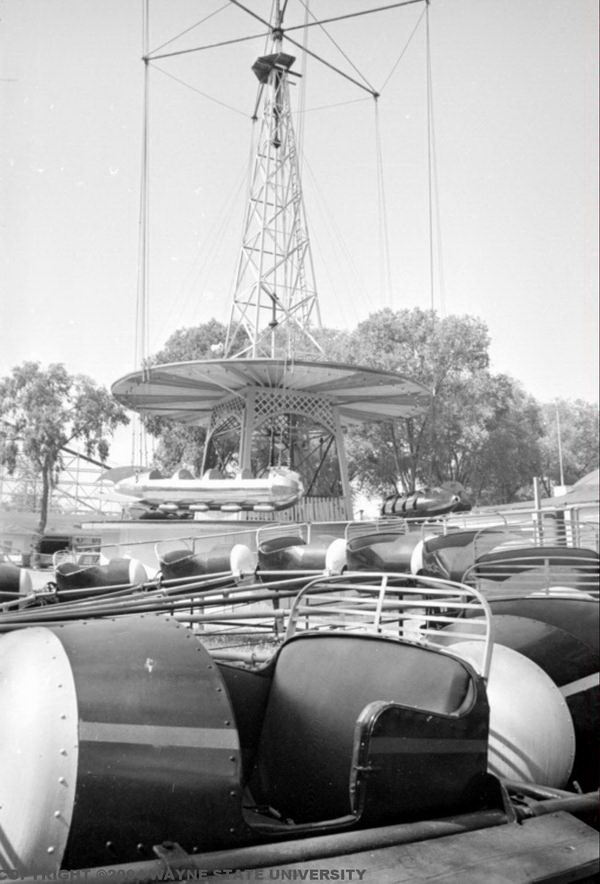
[577, 425]
[178, 443]
[200, 342]
[448, 355]
[44, 410]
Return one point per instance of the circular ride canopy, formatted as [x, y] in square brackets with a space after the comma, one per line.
[190, 391]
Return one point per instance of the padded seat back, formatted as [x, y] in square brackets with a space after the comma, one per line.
[213, 473]
[449, 555]
[382, 552]
[183, 474]
[14, 582]
[321, 684]
[117, 572]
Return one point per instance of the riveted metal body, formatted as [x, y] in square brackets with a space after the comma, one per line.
[38, 751]
[157, 750]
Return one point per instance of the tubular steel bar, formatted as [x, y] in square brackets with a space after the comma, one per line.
[314, 848]
[575, 804]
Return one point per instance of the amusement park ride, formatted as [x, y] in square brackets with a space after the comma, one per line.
[271, 383]
[409, 700]
[266, 396]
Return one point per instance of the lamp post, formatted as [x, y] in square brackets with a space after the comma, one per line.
[560, 453]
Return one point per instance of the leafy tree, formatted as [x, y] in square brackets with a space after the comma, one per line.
[441, 353]
[509, 454]
[578, 422]
[335, 343]
[422, 344]
[204, 341]
[43, 410]
[481, 429]
[179, 443]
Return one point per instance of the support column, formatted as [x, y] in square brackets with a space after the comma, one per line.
[247, 429]
[343, 463]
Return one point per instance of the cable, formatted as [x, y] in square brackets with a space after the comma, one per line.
[330, 106]
[142, 322]
[385, 266]
[434, 181]
[429, 158]
[301, 108]
[406, 45]
[331, 66]
[206, 255]
[335, 232]
[235, 110]
[337, 46]
[327, 21]
[435, 236]
[253, 14]
[191, 28]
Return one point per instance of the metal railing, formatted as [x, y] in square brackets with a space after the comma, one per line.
[530, 532]
[564, 526]
[534, 572]
[423, 610]
[291, 530]
[201, 543]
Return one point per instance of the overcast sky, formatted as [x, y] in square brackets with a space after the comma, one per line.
[515, 120]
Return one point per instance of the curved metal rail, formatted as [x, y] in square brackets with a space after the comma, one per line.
[535, 572]
[416, 609]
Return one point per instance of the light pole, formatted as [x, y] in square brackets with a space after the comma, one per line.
[560, 453]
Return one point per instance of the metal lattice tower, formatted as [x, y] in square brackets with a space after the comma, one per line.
[275, 296]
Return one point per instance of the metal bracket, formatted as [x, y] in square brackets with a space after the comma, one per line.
[508, 806]
[173, 856]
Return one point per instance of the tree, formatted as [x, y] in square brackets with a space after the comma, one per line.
[421, 344]
[578, 423]
[204, 341]
[336, 345]
[509, 455]
[441, 353]
[481, 429]
[178, 443]
[43, 410]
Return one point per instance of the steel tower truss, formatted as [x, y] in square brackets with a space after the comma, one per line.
[275, 297]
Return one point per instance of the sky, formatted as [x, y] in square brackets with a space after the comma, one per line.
[515, 148]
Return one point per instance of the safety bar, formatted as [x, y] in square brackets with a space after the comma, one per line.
[425, 610]
[536, 573]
